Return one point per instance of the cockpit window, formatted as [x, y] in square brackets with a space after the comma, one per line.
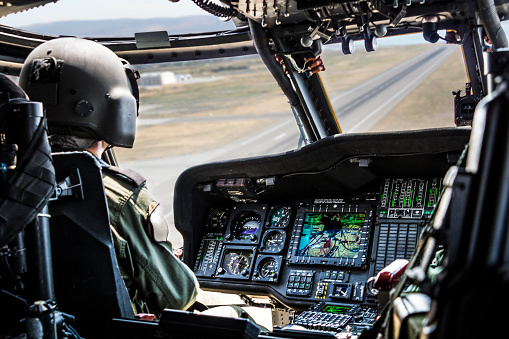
[233, 108]
[396, 88]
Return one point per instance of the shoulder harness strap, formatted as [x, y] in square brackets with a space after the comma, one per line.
[137, 178]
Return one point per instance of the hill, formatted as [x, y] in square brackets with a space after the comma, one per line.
[127, 27]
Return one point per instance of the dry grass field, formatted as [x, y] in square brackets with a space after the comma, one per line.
[432, 103]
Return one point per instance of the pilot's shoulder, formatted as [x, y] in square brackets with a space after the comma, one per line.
[124, 175]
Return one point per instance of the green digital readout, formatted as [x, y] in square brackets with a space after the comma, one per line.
[336, 309]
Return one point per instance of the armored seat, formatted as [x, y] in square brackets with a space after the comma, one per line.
[88, 283]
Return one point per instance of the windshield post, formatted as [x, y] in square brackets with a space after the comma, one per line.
[304, 138]
[307, 102]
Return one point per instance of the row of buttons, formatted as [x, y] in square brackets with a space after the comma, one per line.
[298, 292]
[335, 275]
[395, 241]
[306, 286]
[298, 278]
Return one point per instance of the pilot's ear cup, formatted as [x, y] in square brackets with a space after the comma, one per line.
[8, 86]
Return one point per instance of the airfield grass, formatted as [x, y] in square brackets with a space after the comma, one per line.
[236, 87]
[430, 105]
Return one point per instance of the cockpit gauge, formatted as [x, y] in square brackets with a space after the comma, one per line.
[246, 226]
[236, 263]
[279, 217]
[341, 291]
[273, 241]
[217, 218]
[267, 268]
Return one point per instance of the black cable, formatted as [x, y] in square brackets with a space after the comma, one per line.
[215, 9]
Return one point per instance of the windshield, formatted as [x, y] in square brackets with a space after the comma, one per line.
[96, 18]
[232, 108]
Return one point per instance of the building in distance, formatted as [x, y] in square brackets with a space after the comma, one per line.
[161, 79]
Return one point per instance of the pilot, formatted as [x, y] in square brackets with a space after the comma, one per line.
[91, 97]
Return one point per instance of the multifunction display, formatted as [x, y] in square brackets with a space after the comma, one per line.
[331, 234]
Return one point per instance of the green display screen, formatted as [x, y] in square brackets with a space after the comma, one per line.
[331, 235]
[336, 309]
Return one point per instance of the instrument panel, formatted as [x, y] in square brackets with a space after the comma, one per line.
[304, 231]
[314, 250]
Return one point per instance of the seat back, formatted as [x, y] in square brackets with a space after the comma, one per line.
[88, 283]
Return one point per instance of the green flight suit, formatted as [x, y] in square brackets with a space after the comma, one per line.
[154, 277]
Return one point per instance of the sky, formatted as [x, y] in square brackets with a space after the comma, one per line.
[68, 10]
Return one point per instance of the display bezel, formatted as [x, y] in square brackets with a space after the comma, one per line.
[359, 261]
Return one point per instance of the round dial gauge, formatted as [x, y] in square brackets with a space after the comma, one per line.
[280, 217]
[274, 241]
[237, 262]
[218, 218]
[246, 226]
[269, 268]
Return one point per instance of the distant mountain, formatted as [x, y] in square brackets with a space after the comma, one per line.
[127, 27]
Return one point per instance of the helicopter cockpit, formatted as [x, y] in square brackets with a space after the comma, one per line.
[350, 235]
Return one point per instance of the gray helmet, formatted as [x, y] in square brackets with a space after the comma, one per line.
[86, 90]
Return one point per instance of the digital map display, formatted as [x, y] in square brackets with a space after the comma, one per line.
[331, 235]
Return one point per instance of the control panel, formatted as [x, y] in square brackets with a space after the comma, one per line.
[316, 254]
[321, 249]
[408, 198]
[306, 230]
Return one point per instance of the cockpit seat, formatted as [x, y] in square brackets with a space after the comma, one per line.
[88, 283]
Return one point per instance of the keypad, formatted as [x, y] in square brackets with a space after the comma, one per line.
[300, 283]
[322, 321]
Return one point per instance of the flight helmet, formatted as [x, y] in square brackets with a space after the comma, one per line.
[86, 89]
